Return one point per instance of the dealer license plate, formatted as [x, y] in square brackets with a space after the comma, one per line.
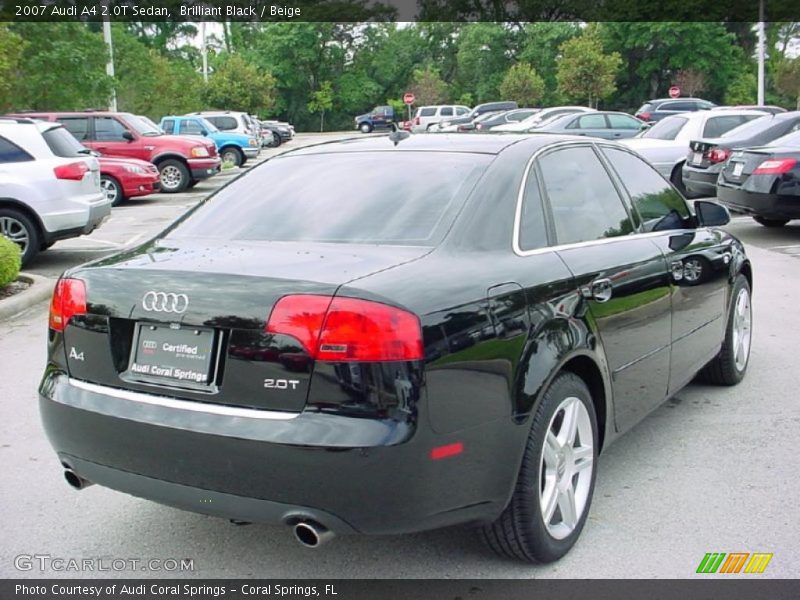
[171, 354]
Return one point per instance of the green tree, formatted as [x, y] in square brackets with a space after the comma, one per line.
[585, 72]
[428, 87]
[787, 79]
[321, 100]
[523, 85]
[539, 46]
[238, 85]
[742, 90]
[482, 59]
[11, 48]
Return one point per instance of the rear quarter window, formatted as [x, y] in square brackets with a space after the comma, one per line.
[427, 112]
[11, 153]
[62, 143]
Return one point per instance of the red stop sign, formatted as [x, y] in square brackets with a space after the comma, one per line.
[408, 98]
[674, 92]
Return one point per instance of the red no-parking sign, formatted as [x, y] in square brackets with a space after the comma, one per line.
[674, 92]
[408, 98]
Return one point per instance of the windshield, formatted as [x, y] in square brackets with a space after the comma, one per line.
[666, 129]
[750, 128]
[341, 198]
[790, 140]
[141, 126]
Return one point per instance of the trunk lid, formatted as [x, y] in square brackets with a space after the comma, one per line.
[741, 165]
[201, 311]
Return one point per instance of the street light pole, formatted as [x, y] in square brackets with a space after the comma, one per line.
[761, 52]
[110, 64]
[204, 50]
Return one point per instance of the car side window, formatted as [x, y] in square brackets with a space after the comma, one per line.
[461, 111]
[428, 112]
[592, 122]
[224, 123]
[11, 153]
[716, 126]
[532, 230]
[77, 126]
[623, 122]
[108, 129]
[659, 205]
[192, 127]
[168, 126]
[585, 204]
[447, 111]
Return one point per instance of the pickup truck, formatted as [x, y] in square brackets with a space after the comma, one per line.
[233, 148]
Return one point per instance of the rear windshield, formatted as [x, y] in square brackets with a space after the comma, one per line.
[790, 140]
[355, 197]
[63, 143]
[646, 107]
[666, 129]
[750, 128]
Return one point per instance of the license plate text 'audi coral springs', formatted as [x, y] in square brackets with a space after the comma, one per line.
[341, 348]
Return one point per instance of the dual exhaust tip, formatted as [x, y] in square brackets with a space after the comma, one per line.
[309, 533]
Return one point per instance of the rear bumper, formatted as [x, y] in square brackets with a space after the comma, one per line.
[771, 206]
[203, 168]
[81, 220]
[350, 474]
[700, 181]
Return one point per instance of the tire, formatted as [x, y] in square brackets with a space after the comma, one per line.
[520, 532]
[232, 155]
[276, 140]
[729, 367]
[770, 222]
[192, 183]
[112, 189]
[365, 128]
[19, 228]
[174, 176]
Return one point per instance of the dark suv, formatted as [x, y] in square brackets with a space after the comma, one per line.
[181, 161]
[380, 117]
[655, 110]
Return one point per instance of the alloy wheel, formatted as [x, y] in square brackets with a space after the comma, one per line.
[170, 177]
[109, 189]
[566, 468]
[15, 231]
[742, 320]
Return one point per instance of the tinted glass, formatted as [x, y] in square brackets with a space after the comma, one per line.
[11, 153]
[63, 143]
[428, 112]
[461, 111]
[623, 122]
[716, 126]
[791, 140]
[345, 197]
[656, 201]
[108, 129]
[584, 201]
[750, 128]
[532, 232]
[224, 123]
[207, 124]
[77, 126]
[666, 129]
[191, 127]
[678, 106]
[169, 125]
[447, 111]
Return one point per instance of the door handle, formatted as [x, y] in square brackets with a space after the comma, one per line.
[599, 290]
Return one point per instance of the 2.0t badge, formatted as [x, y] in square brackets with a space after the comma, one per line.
[165, 302]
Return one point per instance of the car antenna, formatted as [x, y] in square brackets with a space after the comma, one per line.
[398, 136]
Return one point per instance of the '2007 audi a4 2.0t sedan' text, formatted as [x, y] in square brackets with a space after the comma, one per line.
[341, 348]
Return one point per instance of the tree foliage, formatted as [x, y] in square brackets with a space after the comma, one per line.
[239, 85]
[523, 85]
[11, 48]
[585, 72]
[428, 87]
[322, 100]
[787, 79]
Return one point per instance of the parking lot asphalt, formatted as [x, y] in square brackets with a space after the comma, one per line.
[712, 470]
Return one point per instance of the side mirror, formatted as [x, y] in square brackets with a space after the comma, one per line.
[711, 214]
[127, 135]
[645, 126]
[204, 132]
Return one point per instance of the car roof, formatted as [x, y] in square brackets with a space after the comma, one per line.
[681, 99]
[439, 142]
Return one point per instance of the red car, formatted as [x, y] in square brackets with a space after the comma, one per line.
[181, 160]
[123, 178]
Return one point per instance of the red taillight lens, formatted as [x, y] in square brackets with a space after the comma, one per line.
[73, 171]
[645, 116]
[348, 329]
[69, 299]
[416, 121]
[775, 166]
[718, 155]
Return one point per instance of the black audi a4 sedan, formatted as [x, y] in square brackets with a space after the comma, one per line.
[344, 348]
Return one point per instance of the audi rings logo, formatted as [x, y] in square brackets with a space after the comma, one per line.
[165, 302]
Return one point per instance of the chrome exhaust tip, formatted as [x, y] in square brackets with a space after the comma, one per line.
[75, 481]
[311, 534]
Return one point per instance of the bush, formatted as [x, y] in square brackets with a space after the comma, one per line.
[10, 261]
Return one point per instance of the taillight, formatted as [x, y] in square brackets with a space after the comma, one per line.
[69, 299]
[718, 155]
[645, 116]
[416, 121]
[348, 329]
[73, 171]
[775, 166]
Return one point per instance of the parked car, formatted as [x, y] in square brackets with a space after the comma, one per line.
[231, 121]
[274, 133]
[608, 125]
[49, 186]
[707, 156]
[425, 117]
[181, 161]
[458, 346]
[487, 107]
[233, 148]
[665, 144]
[506, 117]
[380, 117]
[124, 178]
[471, 125]
[541, 117]
[653, 111]
[768, 108]
[764, 181]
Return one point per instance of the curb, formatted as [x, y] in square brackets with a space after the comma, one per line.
[40, 290]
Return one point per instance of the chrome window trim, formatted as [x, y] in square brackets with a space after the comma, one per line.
[187, 405]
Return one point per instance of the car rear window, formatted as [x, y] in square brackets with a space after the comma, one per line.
[341, 198]
[790, 140]
[63, 143]
[666, 129]
[646, 107]
[750, 128]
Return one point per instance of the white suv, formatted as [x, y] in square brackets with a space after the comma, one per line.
[49, 185]
[232, 121]
[431, 115]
